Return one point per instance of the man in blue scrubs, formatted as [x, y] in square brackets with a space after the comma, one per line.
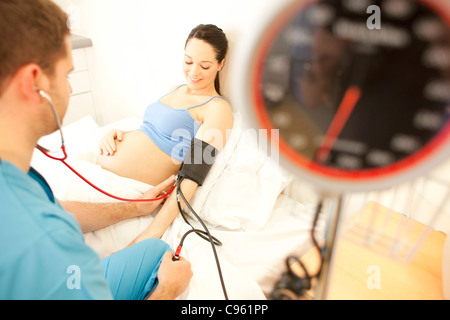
[42, 251]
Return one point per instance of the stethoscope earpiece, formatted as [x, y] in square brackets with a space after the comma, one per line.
[44, 95]
[47, 97]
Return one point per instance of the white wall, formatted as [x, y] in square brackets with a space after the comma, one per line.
[139, 44]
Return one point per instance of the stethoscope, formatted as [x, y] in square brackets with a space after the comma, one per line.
[203, 234]
[63, 159]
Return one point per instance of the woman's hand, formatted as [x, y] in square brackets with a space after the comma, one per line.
[108, 142]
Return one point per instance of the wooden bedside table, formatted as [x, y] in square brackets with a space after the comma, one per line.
[361, 273]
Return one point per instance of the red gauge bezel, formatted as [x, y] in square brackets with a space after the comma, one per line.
[354, 176]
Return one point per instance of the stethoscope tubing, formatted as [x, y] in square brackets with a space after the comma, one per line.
[64, 158]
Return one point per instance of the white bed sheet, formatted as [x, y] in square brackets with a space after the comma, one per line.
[240, 201]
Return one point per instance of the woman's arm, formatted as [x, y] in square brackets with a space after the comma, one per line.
[216, 122]
[167, 213]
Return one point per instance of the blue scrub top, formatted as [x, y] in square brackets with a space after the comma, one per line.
[42, 250]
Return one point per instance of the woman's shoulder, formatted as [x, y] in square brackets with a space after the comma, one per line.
[220, 113]
[174, 88]
[220, 105]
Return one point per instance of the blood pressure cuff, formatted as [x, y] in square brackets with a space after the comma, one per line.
[198, 161]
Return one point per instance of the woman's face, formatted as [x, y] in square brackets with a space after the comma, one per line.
[200, 65]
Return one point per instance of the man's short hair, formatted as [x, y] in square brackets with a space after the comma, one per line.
[31, 31]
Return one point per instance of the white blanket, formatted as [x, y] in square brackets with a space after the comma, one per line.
[240, 201]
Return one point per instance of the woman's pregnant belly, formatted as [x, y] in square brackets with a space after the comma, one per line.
[138, 157]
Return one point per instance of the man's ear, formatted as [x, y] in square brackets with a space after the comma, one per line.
[31, 78]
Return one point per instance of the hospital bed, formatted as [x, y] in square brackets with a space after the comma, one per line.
[245, 201]
[259, 212]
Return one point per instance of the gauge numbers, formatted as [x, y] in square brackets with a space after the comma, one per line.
[354, 104]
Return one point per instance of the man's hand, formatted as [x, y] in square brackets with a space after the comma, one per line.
[147, 207]
[173, 278]
[95, 216]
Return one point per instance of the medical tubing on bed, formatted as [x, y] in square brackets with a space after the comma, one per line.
[313, 236]
[94, 186]
[292, 284]
[113, 196]
[200, 233]
[180, 246]
[179, 192]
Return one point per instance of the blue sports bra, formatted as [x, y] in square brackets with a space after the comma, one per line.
[171, 129]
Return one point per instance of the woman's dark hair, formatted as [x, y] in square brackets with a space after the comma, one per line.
[216, 38]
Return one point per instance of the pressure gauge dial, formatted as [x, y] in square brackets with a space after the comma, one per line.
[359, 90]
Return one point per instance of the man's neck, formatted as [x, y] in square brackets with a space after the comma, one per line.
[16, 145]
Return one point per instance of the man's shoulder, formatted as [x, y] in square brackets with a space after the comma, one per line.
[49, 264]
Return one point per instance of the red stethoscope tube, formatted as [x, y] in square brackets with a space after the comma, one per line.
[45, 151]
[63, 149]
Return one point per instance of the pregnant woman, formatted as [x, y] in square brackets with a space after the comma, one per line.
[156, 150]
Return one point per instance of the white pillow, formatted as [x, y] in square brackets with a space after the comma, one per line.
[241, 189]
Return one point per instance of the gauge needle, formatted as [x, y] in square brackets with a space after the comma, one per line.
[348, 103]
